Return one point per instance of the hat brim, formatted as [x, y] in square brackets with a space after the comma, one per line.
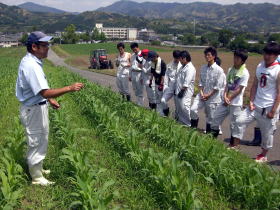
[45, 39]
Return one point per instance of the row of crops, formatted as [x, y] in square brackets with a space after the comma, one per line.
[108, 153]
[190, 158]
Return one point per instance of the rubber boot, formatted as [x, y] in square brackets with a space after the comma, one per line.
[37, 176]
[194, 123]
[43, 170]
[257, 138]
[215, 133]
[208, 128]
[153, 106]
[128, 97]
[235, 143]
[166, 112]
[231, 140]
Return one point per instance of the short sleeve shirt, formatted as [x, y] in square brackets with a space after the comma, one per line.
[211, 78]
[242, 81]
[267, 84]
[31, 81]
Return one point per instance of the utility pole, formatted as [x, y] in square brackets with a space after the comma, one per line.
[194, 26]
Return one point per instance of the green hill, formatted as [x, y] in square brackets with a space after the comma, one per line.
[32, 7]
[245, 17]
[164, 18]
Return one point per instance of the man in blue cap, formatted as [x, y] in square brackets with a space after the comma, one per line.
[34, 94]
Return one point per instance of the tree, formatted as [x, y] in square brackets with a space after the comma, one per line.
[210, 38]
[156, 43]
[85, 37]
[274, 37]
[102, 37]
[188, 39]
[24, 38]
[95, 34]
[69, 35]
[239, 43]
[224, 37]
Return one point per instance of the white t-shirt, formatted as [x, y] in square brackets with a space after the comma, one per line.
[123, 62]
[242, 81]
[31, 80]
[267, 84]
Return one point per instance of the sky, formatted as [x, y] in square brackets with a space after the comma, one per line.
[89, 5]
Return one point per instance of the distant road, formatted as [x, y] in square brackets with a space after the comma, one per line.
[110, 81]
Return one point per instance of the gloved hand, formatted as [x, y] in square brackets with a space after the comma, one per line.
[181, 94]
[160, 87]
[150, 84]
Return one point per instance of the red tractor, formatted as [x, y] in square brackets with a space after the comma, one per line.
[99, 60]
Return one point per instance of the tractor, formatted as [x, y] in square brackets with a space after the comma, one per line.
[99, 60]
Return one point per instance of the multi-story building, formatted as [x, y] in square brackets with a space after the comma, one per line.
[147, 35]
[9, 40]
[118, 33]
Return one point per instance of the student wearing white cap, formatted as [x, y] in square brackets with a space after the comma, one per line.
[34, 94]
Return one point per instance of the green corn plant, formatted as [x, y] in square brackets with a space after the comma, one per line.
[85, 177]
[229, 172]
[12, 179]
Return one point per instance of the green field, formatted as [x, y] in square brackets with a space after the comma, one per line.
[85, 49]
[107, 153]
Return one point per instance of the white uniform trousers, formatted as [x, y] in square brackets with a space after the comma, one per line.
[123, 84]
[35, 119]
[137, 84]
[222, 112]
[267, 125]
[151, 92]
[209, 109]
[160, 106]
[183, 106]
[168, 93]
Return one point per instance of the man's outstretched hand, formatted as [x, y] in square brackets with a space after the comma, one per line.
[76, 86]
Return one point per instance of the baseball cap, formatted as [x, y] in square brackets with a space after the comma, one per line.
[38, 36]
[151, 55]
[144, 52]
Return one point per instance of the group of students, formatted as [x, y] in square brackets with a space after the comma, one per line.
[220, 95]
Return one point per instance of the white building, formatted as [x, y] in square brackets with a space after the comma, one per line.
[117, 33]
[9, 40]
[147, 35]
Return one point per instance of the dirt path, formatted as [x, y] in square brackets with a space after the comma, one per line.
[109, 81]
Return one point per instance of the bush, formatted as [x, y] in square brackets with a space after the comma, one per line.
[156, 43]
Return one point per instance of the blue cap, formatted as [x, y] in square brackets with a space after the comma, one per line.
[38, 36]
[151, 55]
